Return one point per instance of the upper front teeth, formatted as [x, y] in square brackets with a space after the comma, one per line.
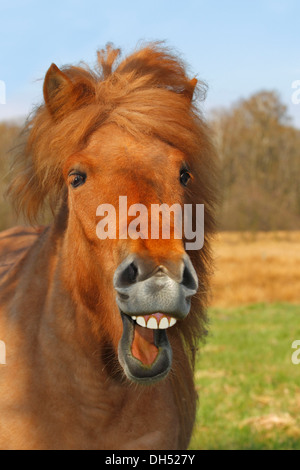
[164, 323]
[141, 321]
[153, 324]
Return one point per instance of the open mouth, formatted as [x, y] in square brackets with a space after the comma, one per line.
[151, 298]
[144, 350]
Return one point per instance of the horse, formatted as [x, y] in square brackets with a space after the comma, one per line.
[101, 334]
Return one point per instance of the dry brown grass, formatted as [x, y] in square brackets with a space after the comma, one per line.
[256, 267]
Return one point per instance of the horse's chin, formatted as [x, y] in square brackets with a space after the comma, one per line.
[144, 353]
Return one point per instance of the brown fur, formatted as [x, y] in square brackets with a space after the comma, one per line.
[130, 126]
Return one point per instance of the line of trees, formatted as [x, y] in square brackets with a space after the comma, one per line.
[9, 136]
[259, 152]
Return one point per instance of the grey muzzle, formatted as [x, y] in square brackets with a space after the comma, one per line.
[143, 288]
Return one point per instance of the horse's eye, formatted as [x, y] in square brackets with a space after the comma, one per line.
[77, 180]
[184, 176]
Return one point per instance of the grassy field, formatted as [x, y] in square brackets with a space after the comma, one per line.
[249, 388]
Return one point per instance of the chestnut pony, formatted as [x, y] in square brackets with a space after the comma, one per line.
[101, 334]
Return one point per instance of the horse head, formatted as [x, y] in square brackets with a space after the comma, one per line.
[131, 131]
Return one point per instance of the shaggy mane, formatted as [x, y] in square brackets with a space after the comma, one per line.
[146, 93]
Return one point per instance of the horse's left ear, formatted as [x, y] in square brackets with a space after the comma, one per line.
[189, 91]
[55, 82]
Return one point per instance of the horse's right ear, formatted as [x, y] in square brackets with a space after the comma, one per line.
[56, 86]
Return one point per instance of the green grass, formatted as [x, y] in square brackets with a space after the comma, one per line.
[249, 389]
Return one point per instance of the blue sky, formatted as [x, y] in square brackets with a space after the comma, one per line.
[237, 47]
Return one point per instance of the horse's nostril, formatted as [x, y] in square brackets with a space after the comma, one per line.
[132, 272]
[129, 275]
[188, 279]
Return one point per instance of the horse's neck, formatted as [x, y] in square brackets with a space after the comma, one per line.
[65, 345]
